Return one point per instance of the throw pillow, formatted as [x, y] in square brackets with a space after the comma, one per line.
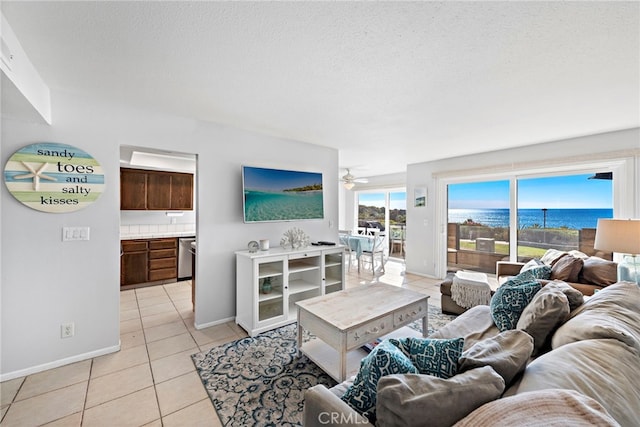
[533, 262]
[567, 268]
[575, 297]
[419, 400]
[507, 353]
[599, 271]
[437, 357]
[551, 256]
[510, 300]
[541, 272]
[548, 309]
[383, 360]
[537, 408]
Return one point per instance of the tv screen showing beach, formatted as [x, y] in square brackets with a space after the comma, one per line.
[281, 195]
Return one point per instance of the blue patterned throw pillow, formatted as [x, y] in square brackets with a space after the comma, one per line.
[384, 359]
[535, 273]
[510, 300]
[436, 357]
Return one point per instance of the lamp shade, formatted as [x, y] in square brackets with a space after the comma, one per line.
[618, 235]
[349, 185]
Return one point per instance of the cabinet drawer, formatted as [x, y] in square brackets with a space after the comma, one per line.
[134, 245]
[304, 255]
[165, 273]
[157, 264]
[370, 331]
[162, 244]
[410, 313]
[163, 253]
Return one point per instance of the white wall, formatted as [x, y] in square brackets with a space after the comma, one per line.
[46, 282]
[423, 232]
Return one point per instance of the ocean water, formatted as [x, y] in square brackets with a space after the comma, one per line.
[287, 206]
[555, 218]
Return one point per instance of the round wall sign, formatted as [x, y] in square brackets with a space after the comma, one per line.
[52, 177]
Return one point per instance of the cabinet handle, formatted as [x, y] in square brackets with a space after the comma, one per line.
[401, 317]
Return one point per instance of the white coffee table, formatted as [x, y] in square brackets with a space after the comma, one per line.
[346, 320]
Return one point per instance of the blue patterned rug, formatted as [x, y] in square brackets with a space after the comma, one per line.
[261, 381]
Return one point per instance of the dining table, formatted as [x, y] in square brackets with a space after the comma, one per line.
[358, 244]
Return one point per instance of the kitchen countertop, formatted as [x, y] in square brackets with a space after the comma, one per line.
[157, 235]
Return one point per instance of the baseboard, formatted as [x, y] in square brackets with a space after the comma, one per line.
[214, 323]
[58, 363]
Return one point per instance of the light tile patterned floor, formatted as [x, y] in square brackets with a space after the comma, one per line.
[151, 381]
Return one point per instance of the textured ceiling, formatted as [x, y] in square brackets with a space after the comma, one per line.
[387, 83]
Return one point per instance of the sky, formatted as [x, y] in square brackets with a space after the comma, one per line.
[277, 180]
[397, 200]
[558, 192]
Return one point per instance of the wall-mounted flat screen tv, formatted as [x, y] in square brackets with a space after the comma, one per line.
[281, 195]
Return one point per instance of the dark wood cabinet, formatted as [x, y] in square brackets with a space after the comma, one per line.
[182, 191]
[158, 191]
[148, 260]
[133, 262]
[142, 189]
[133, 189]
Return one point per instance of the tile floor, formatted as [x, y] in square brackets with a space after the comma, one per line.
[151, 381]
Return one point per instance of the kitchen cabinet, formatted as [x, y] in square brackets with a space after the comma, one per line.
[148, 260]
[269, 283]
[142, 189]
[133, 262]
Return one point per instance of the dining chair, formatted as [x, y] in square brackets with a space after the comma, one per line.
[344, 236]
[375, 249]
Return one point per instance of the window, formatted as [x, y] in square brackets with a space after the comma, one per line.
[561, 212]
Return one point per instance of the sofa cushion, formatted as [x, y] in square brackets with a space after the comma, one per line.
[537, 408]
[510, 300]
[473, 325]
[507, 353]
[438, 357]
[383, 360]
[599, 271]
[542, 315]
[614, 312]
[567, 268]
[603, 369]
[418, 400]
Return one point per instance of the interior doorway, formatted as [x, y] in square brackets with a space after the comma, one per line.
[158, 225]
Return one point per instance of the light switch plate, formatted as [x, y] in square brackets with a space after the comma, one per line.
[70, 234]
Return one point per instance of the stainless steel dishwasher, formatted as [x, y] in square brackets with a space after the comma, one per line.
[184, 257]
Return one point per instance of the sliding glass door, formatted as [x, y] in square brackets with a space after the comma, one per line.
[385, 211]
[478, 225]
[559, 212]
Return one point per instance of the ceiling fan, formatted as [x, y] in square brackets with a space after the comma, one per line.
[349, 180]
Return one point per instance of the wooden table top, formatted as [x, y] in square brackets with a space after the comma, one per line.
[351, 307]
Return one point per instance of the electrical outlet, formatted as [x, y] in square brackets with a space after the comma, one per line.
[67, 330]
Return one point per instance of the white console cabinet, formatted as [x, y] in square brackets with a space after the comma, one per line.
[291, 275]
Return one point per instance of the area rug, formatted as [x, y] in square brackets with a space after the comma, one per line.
[261, 381]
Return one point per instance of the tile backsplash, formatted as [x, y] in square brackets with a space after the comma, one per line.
[156, 230]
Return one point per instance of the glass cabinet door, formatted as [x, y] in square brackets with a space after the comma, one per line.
[270, 289]
[333, 272]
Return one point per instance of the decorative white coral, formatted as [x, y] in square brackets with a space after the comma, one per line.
[296, 238]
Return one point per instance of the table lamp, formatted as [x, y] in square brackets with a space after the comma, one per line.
[622, 236]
